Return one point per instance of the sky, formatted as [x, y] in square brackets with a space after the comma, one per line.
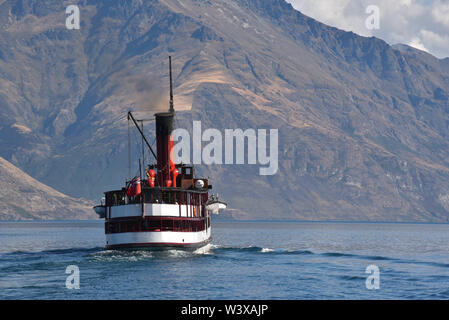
[423, 24]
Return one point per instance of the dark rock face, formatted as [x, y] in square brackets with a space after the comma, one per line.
[363, 126]
[205, 34]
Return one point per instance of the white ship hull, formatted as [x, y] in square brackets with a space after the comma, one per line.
[158, 240]
[156, 226]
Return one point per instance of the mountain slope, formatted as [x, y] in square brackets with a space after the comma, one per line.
[363, 126]
[22, 197]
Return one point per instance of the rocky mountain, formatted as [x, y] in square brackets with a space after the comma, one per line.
[22, 198]
[363, 126]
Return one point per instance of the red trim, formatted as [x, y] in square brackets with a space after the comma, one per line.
[159, 245]
[139, 218]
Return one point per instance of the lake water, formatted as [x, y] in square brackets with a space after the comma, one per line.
[246, 260]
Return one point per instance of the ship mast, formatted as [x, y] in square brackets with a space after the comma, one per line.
[172, 109]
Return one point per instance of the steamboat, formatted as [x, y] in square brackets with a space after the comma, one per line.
[167, 206]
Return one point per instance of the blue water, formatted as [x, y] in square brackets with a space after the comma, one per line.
[246, 260]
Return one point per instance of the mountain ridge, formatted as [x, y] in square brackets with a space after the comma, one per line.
[23, 198]
[363, 126]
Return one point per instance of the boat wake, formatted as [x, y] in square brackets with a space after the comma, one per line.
[98, 254]
[217, 250]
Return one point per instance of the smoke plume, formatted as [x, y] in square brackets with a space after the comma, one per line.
[150, 95]
[147, 93]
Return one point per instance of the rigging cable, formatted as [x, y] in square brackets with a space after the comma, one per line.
[129, 152]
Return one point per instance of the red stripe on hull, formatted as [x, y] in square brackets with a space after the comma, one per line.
[160, 245]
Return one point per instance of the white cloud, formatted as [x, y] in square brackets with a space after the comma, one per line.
[416, 43]
[423, 24]
[441, 14]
